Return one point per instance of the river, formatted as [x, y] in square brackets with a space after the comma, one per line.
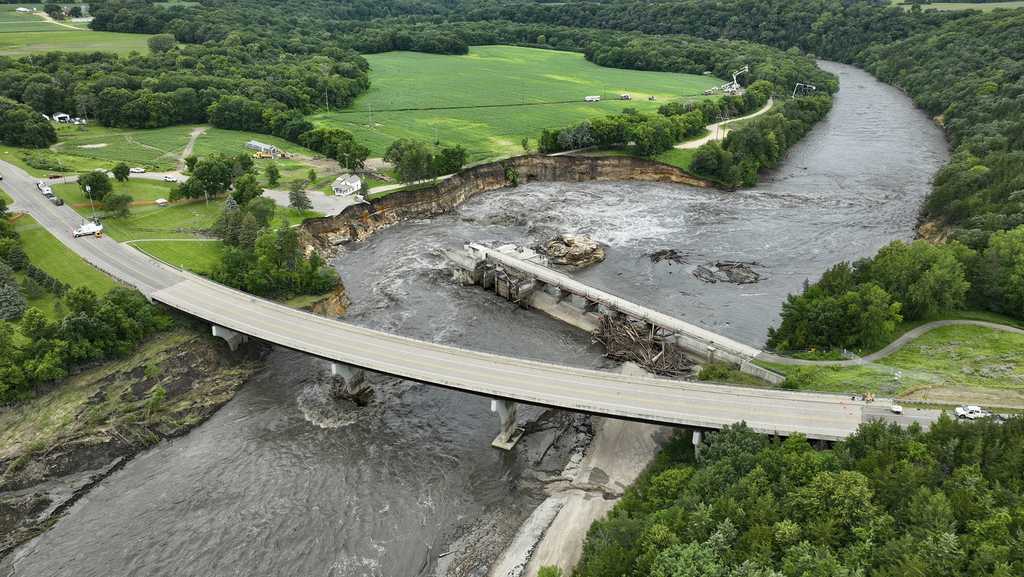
[282, 481]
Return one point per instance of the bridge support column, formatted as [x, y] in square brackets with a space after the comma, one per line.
[347, 381]
[509, 434]
[564, 295]
[233, 338]
[698, 436]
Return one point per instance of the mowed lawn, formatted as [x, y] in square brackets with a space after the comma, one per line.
[952, 363]
[156, 148]
[48, 253]
[545, 87]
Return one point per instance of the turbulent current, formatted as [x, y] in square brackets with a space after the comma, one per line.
[283, 481]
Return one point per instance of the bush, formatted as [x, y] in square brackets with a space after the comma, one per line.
[42, 161]
[12, 302]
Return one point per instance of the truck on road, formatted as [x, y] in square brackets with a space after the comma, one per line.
[89, 228]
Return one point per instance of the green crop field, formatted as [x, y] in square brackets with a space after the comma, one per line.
[526, 78]
[140, 190]
[22, 34]
[233, 142]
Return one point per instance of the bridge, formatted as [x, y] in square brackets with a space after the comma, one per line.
[236, 315]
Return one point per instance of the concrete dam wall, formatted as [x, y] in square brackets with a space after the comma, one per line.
[360, 221]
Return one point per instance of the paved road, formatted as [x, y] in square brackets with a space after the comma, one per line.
[891, 347]
[719, 130]
[819, 416]
[123, 263]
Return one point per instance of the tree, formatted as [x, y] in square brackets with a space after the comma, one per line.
[161, 43]
[95, 185]
[246, 189]
[1001, 272]
[54, 11]
[12, 302]
[525, 143]
[412, 159]
[262, 209]
[118, 205]
[20, 125]
[297, 197]
[190, 162]
[311, 176]
[75, 11]
[549, 571]
[273, 174]
[449, 160]
[121, 172]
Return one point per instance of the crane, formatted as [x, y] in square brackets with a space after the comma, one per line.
[730, 87]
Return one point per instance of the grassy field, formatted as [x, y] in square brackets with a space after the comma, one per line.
[199, 256]
[948, 364]
[23, 34]
[492, 75]
[232, 142]
[155, 149]
[987, 6]
[50, 254]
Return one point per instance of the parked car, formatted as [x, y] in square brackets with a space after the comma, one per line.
[896, 409]
[88, 228]
[47, 191]
[58, 201]
[169, 178]
[137, 170]
[971, 412]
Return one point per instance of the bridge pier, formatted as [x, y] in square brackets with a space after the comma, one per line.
[697, 437]
[509, 434]
[347, 381]
[233, 338]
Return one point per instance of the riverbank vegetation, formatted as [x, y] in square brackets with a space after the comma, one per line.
[887, 501]
[72, 324]
[956, 364]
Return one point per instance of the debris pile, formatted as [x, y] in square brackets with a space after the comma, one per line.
[735, 272]
[576, 250]
[628, 340]
[668, 254]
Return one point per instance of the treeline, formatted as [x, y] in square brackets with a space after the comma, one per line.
[23, 126]
[859, 306]
[761, 143]
[237, 84]
[649, 135]
[886, 502]
[35, 349]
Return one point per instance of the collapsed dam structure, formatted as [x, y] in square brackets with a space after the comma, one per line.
[521, 276]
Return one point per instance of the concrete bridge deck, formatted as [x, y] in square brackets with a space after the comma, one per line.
[819, 416]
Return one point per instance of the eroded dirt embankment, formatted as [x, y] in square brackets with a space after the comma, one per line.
[360, 221]
[56, 447]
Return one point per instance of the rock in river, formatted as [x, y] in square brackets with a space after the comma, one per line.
[576, 250]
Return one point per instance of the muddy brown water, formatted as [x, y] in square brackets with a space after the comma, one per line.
[283, 481]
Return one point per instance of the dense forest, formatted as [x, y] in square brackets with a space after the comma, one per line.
[886, 502]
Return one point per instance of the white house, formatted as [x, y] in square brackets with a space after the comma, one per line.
[61, 117]
[346, 184]
[23, 10]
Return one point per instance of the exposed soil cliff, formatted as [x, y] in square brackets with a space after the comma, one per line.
[360, 221]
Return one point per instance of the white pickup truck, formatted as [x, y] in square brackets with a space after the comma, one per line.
[971, 412]
[88, 228]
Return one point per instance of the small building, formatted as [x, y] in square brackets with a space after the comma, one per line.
[61, 117]
[262, 148]
[23, 10]
[346, 185]
[592, 99]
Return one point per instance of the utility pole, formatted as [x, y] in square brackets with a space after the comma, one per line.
[88, 192]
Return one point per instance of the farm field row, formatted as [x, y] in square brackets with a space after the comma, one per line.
[983, 6]
[493, 97]
[23, 34]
